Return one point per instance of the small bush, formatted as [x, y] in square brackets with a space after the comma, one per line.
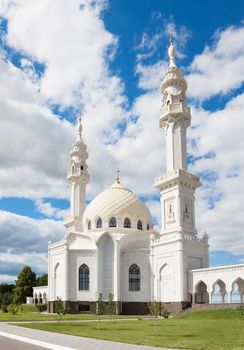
[41, 308]
[241, 309]
[13, 309]
[164, 311]
[59, 308]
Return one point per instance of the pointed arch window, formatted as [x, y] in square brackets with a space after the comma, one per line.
[134, 278]
[89, 225]
[99, 223]
[139, 225]
[84, 277]
[112, 222]
[127, 223]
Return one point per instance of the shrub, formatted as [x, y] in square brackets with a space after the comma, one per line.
[164, 311]
[41, 308]
[111, 307]
[100, 308]
[13, 309]
[59, 308]
[155, 310]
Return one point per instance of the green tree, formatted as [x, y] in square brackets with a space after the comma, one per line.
[26, 280]
[59, 308]
[100, 307]
[42, 280]
[155, 310]
[111, 307]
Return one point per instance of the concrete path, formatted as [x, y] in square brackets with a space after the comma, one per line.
[10, 344]
[57, 341]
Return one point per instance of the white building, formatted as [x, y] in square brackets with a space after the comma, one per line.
[111, 245]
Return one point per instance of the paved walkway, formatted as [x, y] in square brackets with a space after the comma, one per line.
[57, 341]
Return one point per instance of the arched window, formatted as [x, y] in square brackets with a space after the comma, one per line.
[148, 227]
[89, 225]
[84, 277]
[112, 222]
[139, 225]
[127, 223]
[99, 223]
[134, 278]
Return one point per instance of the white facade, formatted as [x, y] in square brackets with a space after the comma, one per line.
[111, 246]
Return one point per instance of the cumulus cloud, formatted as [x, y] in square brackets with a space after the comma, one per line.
[24, 242]
[162, 27]
[49, 211]
[219, 68]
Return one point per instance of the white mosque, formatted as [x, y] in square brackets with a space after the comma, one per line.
[111, 245]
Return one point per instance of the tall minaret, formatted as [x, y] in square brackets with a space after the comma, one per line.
[78, 177]
[177, 186]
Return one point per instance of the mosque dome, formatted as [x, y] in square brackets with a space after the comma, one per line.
[117, 206]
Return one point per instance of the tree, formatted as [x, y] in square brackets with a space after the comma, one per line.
[100, 306]
[42, 280]
[26, 280]
[59, 308]
[111, 305]
[155, 311]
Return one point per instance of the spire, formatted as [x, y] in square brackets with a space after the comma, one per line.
[79, 128]
[171, 51]
[117, 176]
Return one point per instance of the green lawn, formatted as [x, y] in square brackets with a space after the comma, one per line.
[29, 313]
[203, 330]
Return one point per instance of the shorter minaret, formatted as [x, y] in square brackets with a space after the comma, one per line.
[78, 177]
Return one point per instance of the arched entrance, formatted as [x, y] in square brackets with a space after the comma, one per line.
[237, 291]
[201, 293]
[219, 292]
[167, 283]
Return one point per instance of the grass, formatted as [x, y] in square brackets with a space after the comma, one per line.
[202, 330]
[29, 313]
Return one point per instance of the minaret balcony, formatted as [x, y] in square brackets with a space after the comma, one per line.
[172, 112]
[75, 174]
[177, 177]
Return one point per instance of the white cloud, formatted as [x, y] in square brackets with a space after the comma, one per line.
[219, 68]
[58, 33]
[150, 41]
[49, 211]
[24, 242]
[221, 133]
[34, 142]
[75, 72]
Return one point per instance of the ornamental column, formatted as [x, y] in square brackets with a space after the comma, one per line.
[66, 269]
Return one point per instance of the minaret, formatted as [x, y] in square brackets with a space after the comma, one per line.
[78, 177]
[177, 186]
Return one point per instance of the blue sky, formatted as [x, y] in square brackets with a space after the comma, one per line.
[107, 59]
